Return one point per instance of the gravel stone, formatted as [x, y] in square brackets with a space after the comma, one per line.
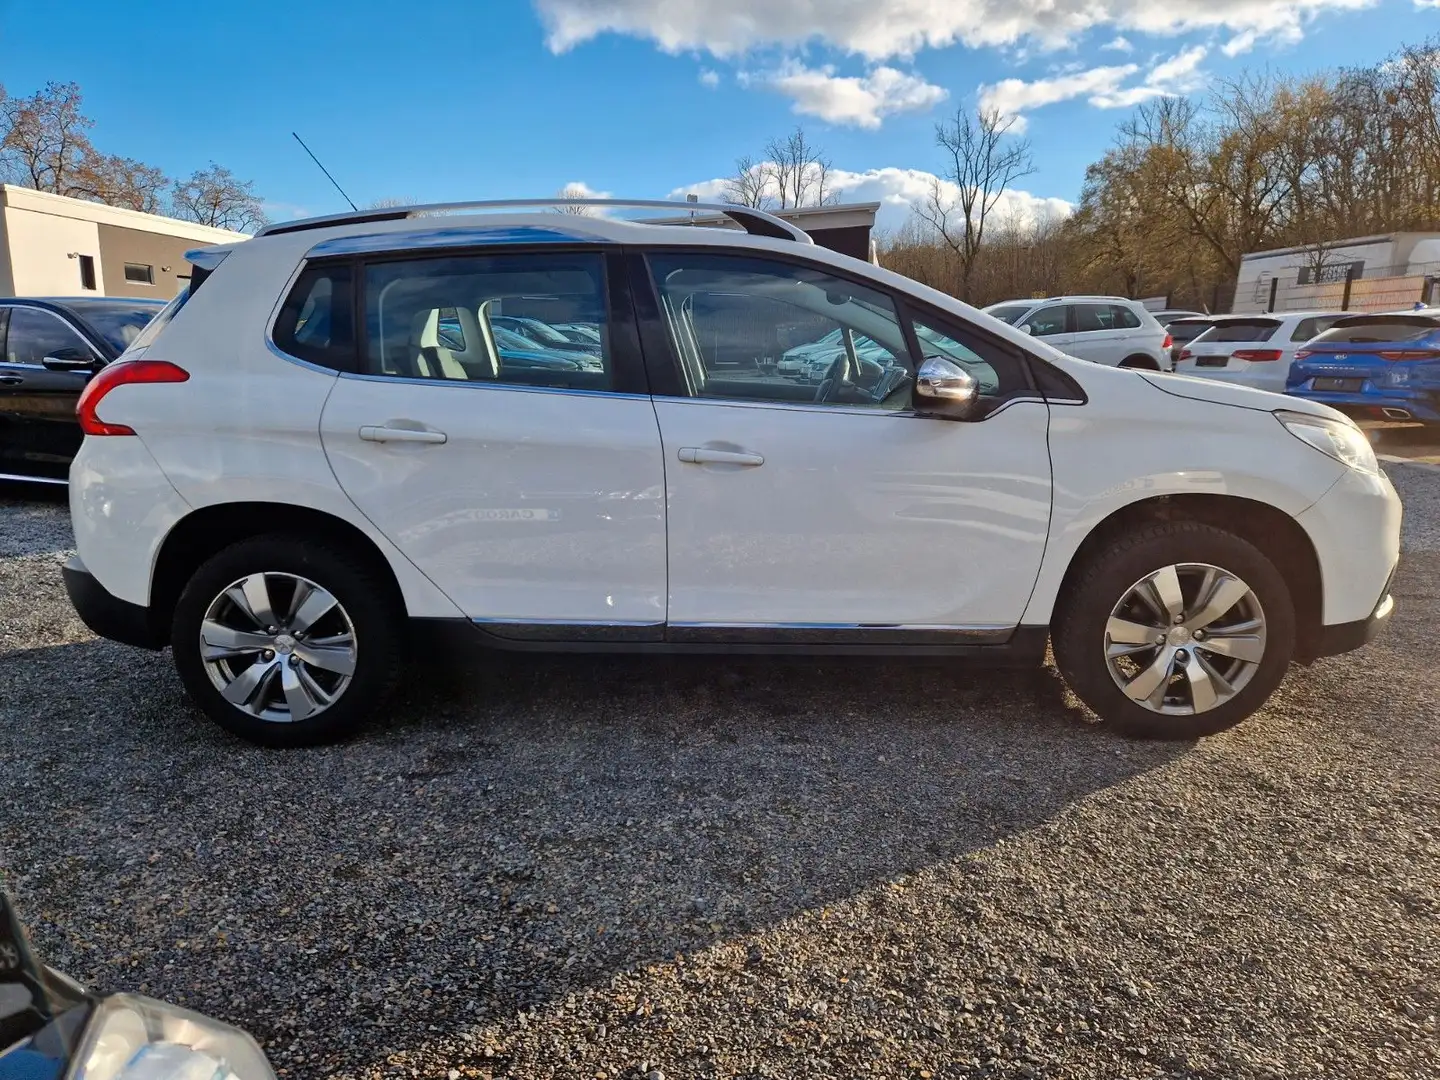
[499, 878]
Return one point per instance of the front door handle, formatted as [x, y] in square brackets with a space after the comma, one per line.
[10, 380]
[384, 433]
[704, 455]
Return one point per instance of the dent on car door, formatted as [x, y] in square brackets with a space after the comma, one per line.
[813, 511]
[37, 398]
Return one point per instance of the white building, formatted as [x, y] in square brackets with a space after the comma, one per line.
[51, 245]
[1307, 276]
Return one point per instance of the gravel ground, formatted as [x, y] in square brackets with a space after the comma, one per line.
[583, 868]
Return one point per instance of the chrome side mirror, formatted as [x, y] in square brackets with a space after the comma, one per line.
[944, 388]
[1029, 329]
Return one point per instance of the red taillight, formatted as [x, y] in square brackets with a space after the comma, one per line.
[1256, 354]
[1409, 354]
[1303, 353]
[1168, 343]
[121, 374]
[1185, 354]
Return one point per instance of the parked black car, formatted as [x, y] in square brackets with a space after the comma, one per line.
[49, 348]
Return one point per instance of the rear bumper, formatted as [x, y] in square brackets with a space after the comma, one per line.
[1419, 405]
[106, 614]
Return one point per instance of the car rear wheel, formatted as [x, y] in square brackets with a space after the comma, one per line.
[285, 642]
[1177, 631]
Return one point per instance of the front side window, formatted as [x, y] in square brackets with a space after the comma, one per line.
[1047, 321]
[461, 319]
[752, 329]
[36, 334]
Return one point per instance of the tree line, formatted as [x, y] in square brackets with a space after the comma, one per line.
[45, 144]
[1189, 186]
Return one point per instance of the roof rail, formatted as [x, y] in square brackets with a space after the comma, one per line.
[755, 222]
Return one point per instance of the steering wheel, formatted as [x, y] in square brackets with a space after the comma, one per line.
[836, 379]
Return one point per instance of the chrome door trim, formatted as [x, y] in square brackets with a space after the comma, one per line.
[32, 479]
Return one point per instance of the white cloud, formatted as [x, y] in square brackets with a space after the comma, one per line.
[896, 190]
[1102, 87]
[862, 101]
[880, 29]
[578, 189]
[1122, 44]
[1243, 42]
[709, 79]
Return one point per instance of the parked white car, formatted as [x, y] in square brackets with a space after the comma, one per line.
[289, 476]
[1254, 349]
[1102, 329]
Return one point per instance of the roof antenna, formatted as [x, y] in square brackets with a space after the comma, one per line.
[326, 172]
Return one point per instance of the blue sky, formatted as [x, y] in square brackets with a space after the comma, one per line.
[441, 99]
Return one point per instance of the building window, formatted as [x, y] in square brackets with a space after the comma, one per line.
[87, 271]
[139, 274]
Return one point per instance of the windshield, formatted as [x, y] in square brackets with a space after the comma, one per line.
[1379, 328]
[1240, 330]
[119, 324]
[1009, 313]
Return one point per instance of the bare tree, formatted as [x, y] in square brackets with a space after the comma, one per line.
[752, 183]
[799, 169]
[121, 181]
[576, 191]
[46, 138]
[215, 197]
[982, 164]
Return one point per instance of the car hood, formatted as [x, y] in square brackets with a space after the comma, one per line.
[1243, 397]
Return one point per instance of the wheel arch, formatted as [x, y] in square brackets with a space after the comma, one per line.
[1141, 361]
[1279, 536]
[208, 530]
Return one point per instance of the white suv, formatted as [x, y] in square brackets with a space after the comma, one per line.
[325, 448]
[1102, 329]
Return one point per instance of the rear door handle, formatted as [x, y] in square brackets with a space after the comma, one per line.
[704, 455]
[385, 433]
[10, 380]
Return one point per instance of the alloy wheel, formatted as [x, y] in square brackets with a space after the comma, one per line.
[1185, 639]
[278, 646]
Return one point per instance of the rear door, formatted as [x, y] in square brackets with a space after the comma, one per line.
[38, 431]
[531, 493]
[1097, 337]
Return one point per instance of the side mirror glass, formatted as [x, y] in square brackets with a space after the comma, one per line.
[71, 358]
[944, 388]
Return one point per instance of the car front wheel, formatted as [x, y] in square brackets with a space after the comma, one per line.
[284, 641]
[1178, 631]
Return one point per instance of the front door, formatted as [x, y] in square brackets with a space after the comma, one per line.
[833, 509]
[38, 431]
[526, 483]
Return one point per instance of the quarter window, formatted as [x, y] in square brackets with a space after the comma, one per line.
[451, 319]
[316, 323]
[751, 329]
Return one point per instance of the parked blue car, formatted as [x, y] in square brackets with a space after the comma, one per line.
[1376, 367]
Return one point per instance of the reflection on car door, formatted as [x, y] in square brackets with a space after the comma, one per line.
[834, 510]
[38, 432]
[532, 495]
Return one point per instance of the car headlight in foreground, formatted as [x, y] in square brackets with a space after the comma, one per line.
[1338, 439]
[137, 1038]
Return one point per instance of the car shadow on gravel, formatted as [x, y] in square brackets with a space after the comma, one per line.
[509, 834]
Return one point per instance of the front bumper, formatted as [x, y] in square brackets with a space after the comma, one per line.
[106, 614]
[1347, 637]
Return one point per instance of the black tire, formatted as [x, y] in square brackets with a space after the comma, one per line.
[1078, 635]
[368, 599]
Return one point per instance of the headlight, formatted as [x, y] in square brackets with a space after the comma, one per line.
[1344, 442]
[136, 1038]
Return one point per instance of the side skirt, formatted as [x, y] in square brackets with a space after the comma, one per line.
[1022, 646]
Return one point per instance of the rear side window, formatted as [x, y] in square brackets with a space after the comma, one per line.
[1092, 317]
[1241, 330]
[452, 319]
[1306, 329]
[1381, 328]
[317, 321]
